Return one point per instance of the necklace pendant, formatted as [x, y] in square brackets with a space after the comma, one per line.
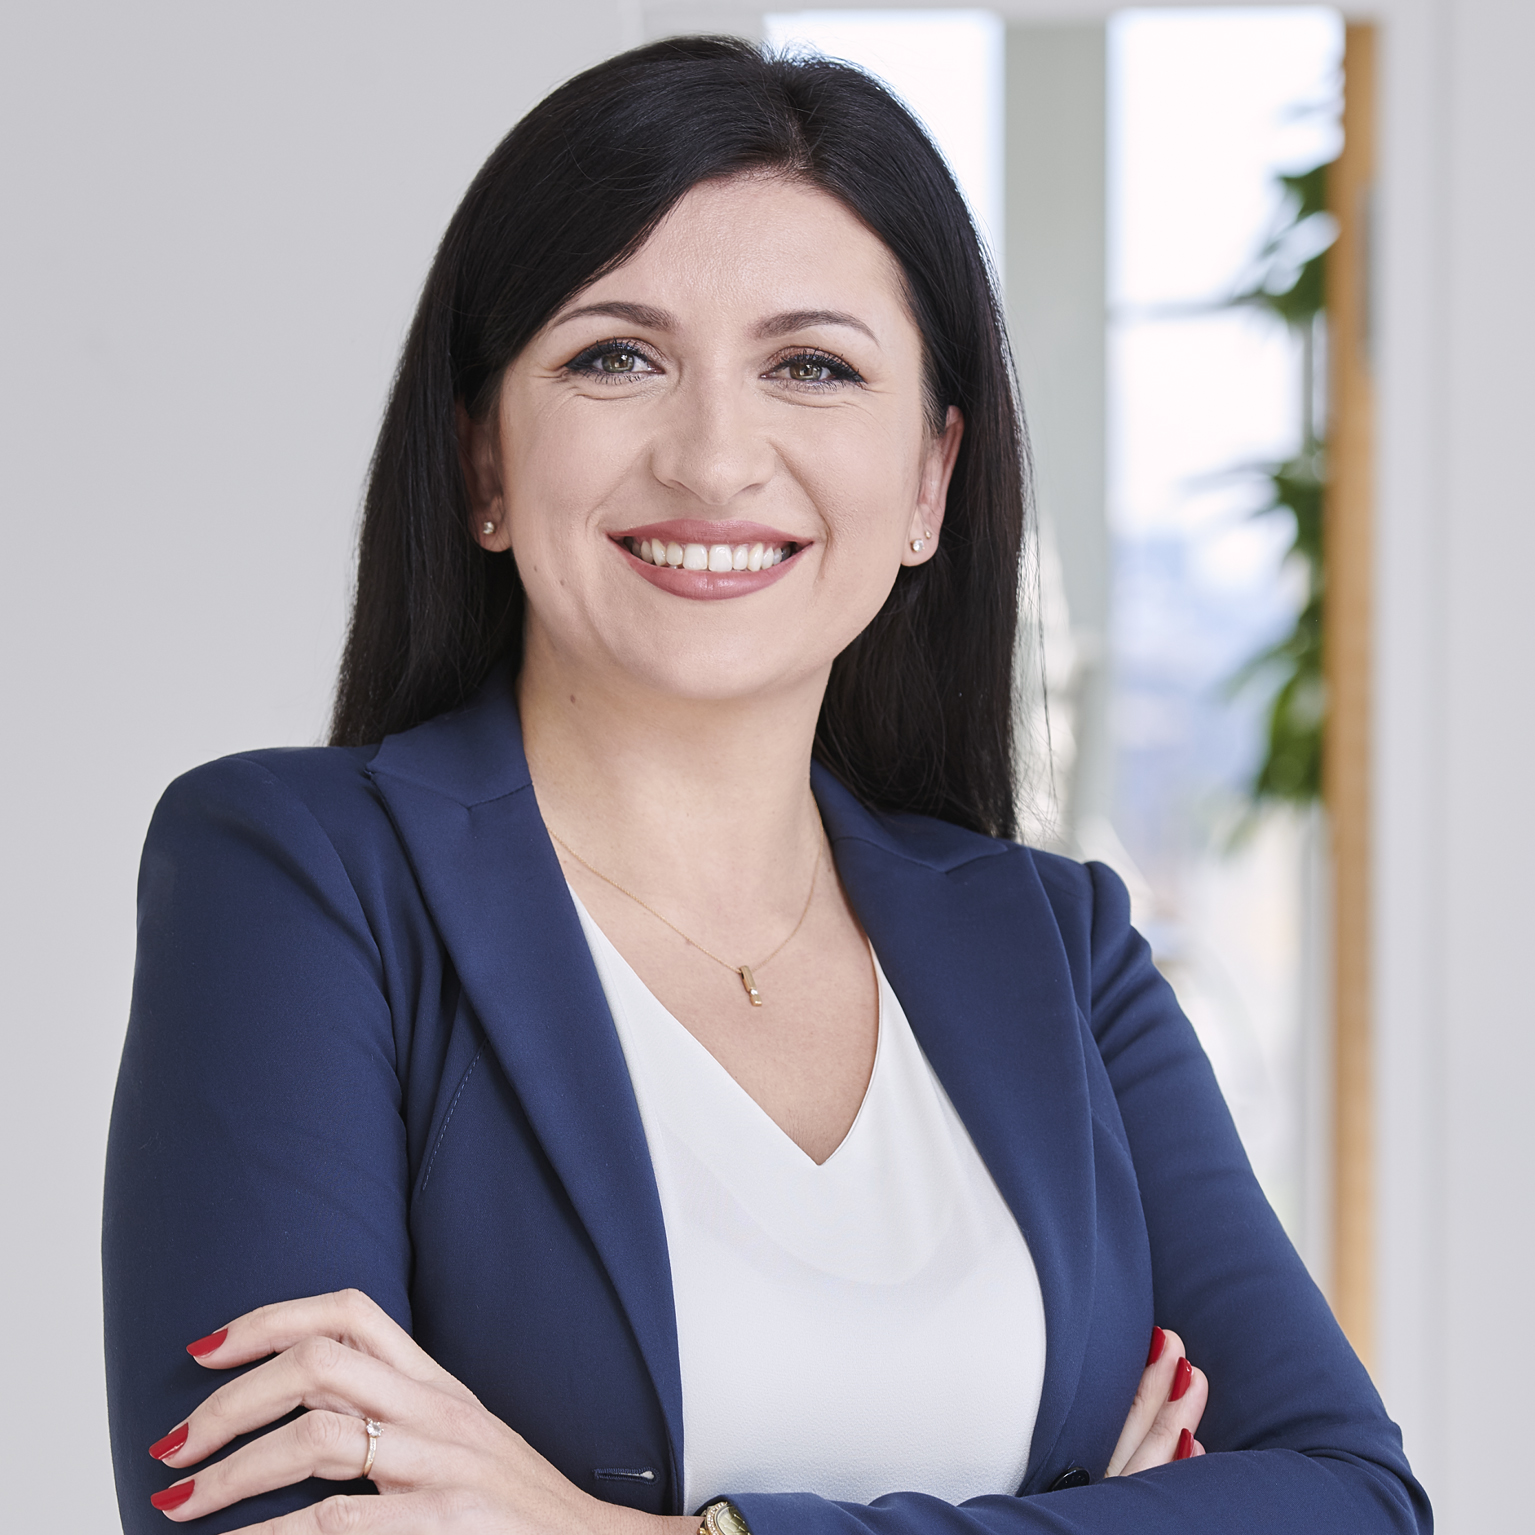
[753, 995]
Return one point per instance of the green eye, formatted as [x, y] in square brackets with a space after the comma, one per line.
[816, 369]
[618, 362]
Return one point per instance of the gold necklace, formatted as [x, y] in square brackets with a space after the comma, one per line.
[743, 971]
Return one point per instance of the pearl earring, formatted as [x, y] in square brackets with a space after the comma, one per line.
[487, 528]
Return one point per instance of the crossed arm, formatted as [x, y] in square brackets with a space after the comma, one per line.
[211, 1203]
[442, 1460]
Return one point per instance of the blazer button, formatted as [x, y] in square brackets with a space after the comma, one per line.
[1077, 1476]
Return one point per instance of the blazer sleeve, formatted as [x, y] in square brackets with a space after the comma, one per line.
[1299, 1441]
[257, 1150]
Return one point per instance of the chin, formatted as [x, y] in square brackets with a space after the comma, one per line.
[724, 674]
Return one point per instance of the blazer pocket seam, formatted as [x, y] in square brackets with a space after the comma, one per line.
[458, 1093]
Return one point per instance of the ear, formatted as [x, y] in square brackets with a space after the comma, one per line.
[479, 456]
[933, 491]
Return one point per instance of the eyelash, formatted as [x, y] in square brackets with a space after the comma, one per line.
[841, 372]
[584, 364]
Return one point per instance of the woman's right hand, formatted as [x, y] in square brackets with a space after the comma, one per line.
[1168, 1405]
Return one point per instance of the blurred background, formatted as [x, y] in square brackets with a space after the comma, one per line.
[1263, 268]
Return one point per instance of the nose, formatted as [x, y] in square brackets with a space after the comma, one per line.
[710, 445]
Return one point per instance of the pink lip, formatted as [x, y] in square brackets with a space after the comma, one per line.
[693, 530]
[706, 585]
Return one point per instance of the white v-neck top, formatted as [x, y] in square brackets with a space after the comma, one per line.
[869, 1325]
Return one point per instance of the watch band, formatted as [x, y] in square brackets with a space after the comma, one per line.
[722, 1517]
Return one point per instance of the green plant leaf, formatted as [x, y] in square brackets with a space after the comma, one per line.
[1293, 666]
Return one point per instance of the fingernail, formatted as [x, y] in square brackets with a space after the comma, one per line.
[172, 1442]
[207, 1345]
[1185, 1445]
[1158, 1343]
[1181, 1378]
[173, 1496]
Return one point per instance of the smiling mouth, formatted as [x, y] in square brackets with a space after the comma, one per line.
[718, 559]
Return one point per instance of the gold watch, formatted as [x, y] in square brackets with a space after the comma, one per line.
[722, 1517]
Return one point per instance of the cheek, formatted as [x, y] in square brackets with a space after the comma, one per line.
[559, 468]
[866, 485]
[865, 499]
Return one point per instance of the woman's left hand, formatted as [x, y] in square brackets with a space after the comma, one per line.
[1164, 1417]
[443, 1461]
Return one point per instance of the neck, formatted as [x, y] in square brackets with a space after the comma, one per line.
[705, 797]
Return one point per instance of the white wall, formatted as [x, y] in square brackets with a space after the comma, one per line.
[1054, 276]
[215, 221]
[1455, 815]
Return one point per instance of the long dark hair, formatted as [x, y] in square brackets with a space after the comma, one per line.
[918, 714]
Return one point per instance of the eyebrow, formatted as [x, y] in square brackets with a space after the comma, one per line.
[774, 326]
[804, 319]
[635, 314]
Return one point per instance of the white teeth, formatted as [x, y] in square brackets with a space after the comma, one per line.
[716, 558]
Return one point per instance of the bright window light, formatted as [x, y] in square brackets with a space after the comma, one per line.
[945, 65]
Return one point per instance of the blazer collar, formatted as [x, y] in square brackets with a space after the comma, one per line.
[462, 801]
[969, 942]
[965, 934]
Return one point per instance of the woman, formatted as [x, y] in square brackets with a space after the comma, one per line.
[629, 1070]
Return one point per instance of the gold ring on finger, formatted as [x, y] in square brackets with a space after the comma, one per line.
[374, 1429]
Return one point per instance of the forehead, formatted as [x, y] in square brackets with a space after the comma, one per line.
[760, 243]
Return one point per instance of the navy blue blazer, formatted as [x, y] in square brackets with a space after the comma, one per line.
[368, 1047]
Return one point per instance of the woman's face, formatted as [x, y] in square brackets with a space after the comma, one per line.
[711, 463]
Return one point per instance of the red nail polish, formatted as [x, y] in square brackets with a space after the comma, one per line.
[207, 1345]
[172, 1442]
[172, 1497]
[1182, 1377]
[1185, 1445]
[1158, 1343]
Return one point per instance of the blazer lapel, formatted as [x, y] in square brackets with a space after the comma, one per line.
[963, 929]
[459, 793]
[966, 935]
